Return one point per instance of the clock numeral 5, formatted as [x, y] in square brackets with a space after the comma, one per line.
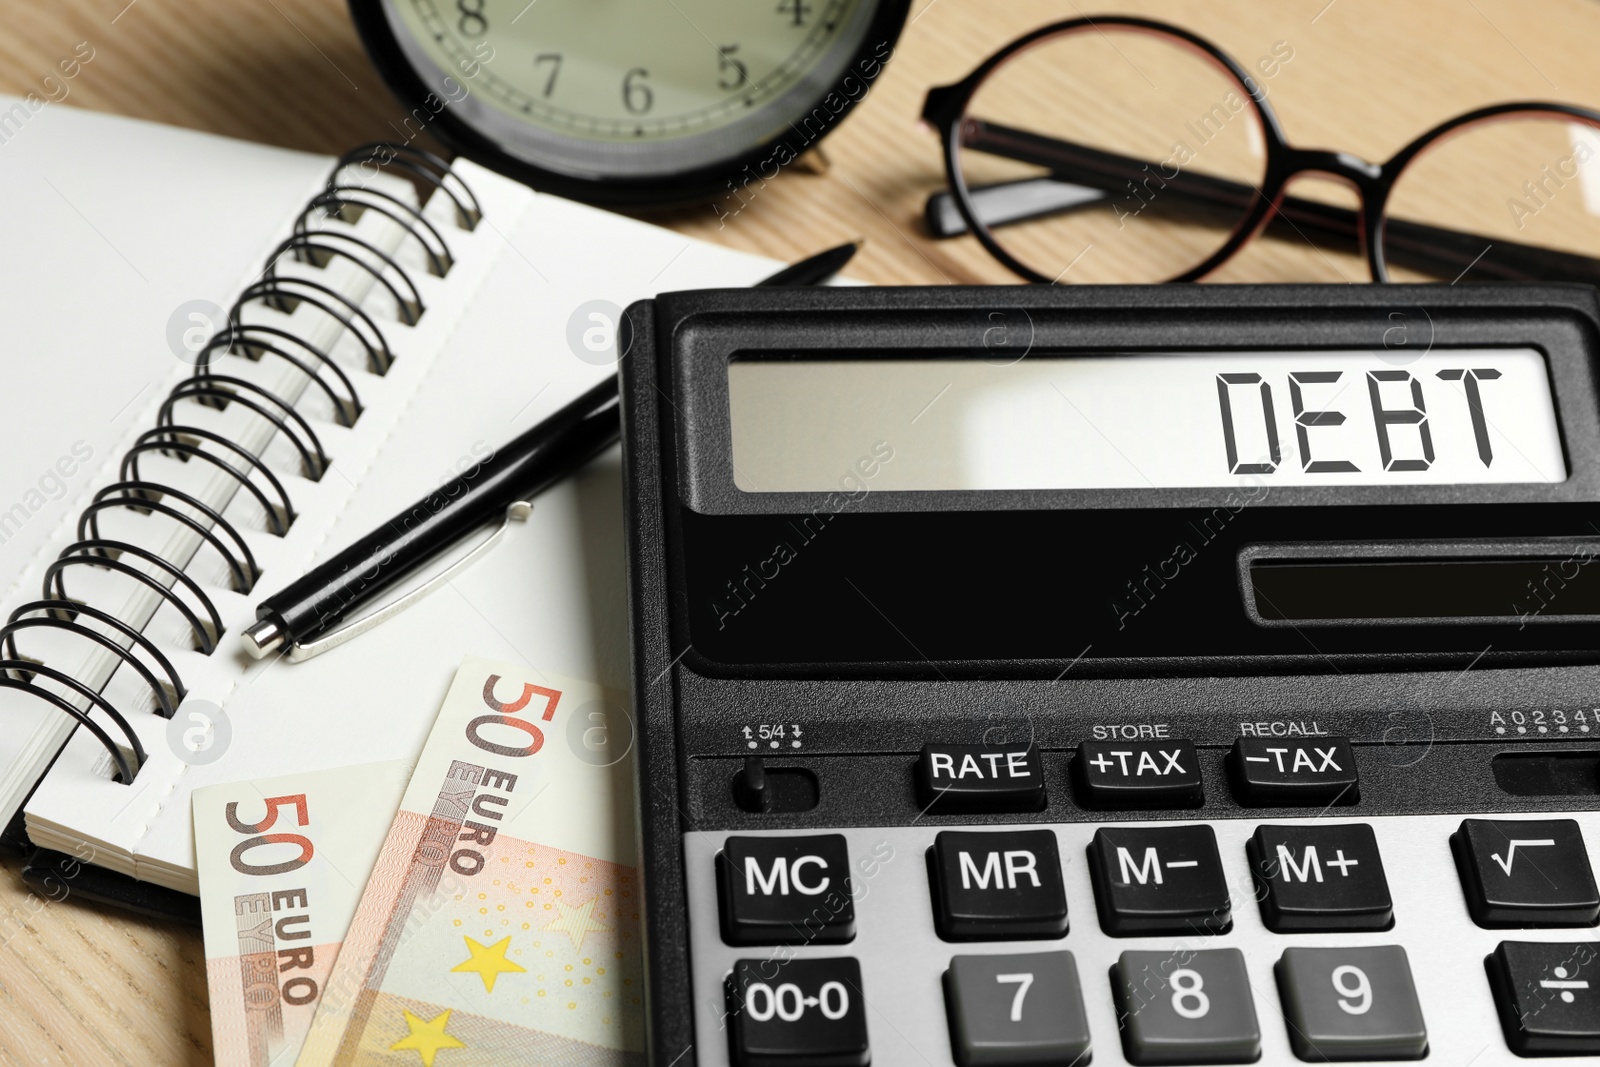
[637, 96]
[734, 74]
[799, 9]
[472, 21]
[554, 59]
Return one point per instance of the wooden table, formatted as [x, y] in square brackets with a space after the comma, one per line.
[82, 985]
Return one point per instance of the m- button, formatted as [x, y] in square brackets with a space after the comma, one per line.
[1115, 775]
[785, 891]
[1277, 772]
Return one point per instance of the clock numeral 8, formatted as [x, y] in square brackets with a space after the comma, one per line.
[637, 97]
[472, 21]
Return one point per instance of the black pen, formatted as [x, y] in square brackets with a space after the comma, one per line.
[315, 605]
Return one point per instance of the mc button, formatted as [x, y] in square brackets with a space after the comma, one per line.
[785, 891]
[1278, 772]
[1116, 775]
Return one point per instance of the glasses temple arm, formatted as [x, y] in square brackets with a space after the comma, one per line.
[1082, 177]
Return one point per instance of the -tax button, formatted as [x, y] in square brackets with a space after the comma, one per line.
[1284, 772]
[785, 890]
[970, 779]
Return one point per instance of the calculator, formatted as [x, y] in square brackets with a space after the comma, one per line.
[1126, 675]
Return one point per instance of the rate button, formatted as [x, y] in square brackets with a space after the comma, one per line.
[967, 779]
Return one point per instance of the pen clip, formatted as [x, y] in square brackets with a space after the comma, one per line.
[304, 650]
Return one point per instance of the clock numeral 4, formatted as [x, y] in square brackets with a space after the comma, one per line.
[637, 96]
[734, 74]
[796, 9]
[473, 22]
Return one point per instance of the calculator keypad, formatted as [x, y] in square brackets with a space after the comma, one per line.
[1434, 984]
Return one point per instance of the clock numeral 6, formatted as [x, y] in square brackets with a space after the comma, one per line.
[734, 74]
[798, 9]
[472, 21]
[637, 96]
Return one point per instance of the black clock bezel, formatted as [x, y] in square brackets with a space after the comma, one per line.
[655, 191]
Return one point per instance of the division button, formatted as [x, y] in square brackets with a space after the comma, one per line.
[785, 891]
[1159, 880]
[1120, 775]
[1548, 996]
[1016, 1010]
[1320, 879]
[997, 886]
[971, 779]
[1279, 772]
[1351, 1004]
[797, 1013]
[1188, 1007]
[1525, 873]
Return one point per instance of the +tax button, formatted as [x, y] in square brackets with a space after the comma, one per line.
[1114, 775]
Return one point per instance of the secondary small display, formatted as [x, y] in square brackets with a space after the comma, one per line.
[1146, 420]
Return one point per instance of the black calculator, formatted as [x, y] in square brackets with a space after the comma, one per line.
[1148, 675]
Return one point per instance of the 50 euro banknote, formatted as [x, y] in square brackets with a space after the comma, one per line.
[501, 921]
[282, 864]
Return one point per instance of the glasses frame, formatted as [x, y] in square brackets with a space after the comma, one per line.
[945, 107]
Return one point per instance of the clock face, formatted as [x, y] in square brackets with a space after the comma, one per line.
[639, 88]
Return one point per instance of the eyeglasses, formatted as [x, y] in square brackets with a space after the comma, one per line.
[1126, 150]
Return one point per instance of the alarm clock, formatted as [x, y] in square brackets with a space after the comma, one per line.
[630, 103]
[1150, 674]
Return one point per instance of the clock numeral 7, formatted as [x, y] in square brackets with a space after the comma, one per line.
[734, 73]
[554, 59]
[797, 8]
[473, 22]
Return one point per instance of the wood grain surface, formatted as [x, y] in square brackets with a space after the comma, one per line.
[82, 985]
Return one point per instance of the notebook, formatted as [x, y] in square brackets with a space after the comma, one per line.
[119, 261]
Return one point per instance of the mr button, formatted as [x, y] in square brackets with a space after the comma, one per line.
[997, 886]
[970, 779]
[1276, 772]
[785, 891]
[1138, 774]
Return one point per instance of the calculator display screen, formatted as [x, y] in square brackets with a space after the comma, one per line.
[1453, 416]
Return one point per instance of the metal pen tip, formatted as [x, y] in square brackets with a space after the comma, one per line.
[263, 638]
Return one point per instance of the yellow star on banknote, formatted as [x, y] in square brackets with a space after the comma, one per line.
[488, 961]
[427, 1038]
[578, 922]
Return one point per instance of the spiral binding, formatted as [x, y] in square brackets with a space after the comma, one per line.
[56, 610]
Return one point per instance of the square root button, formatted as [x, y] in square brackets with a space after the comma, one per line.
[1124, 775]
[1525, 872]
[1272, 772]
